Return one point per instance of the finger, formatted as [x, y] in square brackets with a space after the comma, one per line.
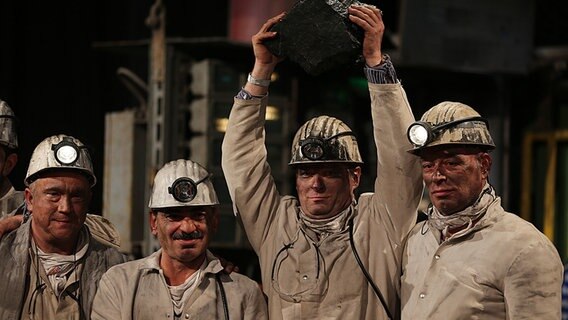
[271, 22]
[371, 14]
[364, 24]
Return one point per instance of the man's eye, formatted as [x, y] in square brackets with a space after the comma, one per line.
[304, 174]
[173, 217]
[451, 163]
[332, 173]
[77, 199]
[426, 165]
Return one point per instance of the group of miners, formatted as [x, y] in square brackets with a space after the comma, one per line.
[323, 255]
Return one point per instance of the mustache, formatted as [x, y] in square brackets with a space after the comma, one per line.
[188, 236]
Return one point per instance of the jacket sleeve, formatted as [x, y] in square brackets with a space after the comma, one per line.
[533, 284]
[398, 185]
[256, 308]
[250, 184]
[108, 299]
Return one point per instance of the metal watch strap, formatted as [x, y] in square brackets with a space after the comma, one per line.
[258, 82]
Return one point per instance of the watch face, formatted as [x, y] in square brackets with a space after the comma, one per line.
[244, 95]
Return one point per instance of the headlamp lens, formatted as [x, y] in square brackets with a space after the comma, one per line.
[66, 154]
[418, 134]
[313, 149]
[183, 189]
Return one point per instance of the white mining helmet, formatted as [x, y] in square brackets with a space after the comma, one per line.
[325, 139]
[8, 135]
[60, 152]
[182, 183]
[450, 123]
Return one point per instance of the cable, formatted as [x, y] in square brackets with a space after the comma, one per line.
[223, 296]
[367, 275]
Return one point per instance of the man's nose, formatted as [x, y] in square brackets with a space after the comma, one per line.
[438, 174]
[188, 225]
[65, 204]
[317, 183]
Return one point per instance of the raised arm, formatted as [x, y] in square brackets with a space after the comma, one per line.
[244, 163]
[398, 186]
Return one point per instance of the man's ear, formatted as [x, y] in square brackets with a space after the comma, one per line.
[9, 164]
[356, 176]
[29, 198]
[485, 160]
[153, 223]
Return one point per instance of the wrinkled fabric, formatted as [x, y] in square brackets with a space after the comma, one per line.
[15, 266]
[502, 268]
[58, 266]
[307, 278]
[103, 230]
[137, 290]
[10, 201]
[464, 219]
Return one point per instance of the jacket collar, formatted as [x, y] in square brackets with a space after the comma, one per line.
[488, 219]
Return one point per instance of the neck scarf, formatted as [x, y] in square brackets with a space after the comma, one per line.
[325, 226]
[58, 266]
[462, 218]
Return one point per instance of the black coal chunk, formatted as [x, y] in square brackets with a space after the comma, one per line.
[318, 35]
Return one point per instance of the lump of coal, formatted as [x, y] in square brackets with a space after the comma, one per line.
[318, 35]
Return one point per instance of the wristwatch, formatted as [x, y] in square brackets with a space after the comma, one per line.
[259, 82]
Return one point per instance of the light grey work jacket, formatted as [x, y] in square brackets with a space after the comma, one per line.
[137, 290]
[11, 201]
[502, 268]
[309, 279]
[15, 266]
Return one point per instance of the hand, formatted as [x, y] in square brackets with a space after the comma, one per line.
[265, 61]
[10, 223]
[263, 57]
[370, 19]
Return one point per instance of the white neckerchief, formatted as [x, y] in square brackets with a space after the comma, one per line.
[59, 266]
[325, 226]
[180, 294]
[465, 217]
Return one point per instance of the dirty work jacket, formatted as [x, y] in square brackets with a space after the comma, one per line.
[138, 290]
[322, 280]
[15, 266]
[503, 268]
[11, 201]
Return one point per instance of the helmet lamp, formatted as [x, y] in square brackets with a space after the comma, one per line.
[66, 151]
[184, 189]
[317, 148]
[421, 133]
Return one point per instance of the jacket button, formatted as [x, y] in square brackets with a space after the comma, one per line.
[422, 296]
[305, 277]
[437, 257]
[187, 316]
